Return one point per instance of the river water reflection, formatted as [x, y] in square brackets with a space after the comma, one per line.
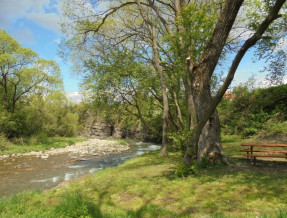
[34, 173]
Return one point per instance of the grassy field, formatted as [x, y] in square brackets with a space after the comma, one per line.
[146, 186]
[37, 144]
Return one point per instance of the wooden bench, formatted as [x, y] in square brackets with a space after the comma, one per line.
[264, 153]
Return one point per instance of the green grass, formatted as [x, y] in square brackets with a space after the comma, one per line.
[38, 145]
[146, 186]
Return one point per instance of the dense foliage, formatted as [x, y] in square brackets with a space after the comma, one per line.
[32, 100]
[249, 112]
[157, 60]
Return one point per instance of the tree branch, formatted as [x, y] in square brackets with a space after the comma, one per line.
[273, 15]
[220, 34]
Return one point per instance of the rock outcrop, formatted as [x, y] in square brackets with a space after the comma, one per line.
[105, 130]
[99, 130]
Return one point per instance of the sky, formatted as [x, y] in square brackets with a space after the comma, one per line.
[35, 24]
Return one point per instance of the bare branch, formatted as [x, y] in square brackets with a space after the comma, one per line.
[166, 4]
[159, 14]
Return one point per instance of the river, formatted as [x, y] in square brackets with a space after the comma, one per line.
[34, 173]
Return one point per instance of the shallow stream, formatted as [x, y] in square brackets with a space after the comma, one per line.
[35, 173]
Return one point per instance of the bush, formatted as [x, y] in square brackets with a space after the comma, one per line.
[183, 171]
[180, 139]
[69, 125]
[247, 114]
[40, 138]
[274, 128]
[4, 142]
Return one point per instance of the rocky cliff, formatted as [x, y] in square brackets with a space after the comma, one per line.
[104, 130]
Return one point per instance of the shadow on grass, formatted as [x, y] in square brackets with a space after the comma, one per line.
[266, 180]
[83, 202]
[150, 210]
[74, 204]
[151, 159]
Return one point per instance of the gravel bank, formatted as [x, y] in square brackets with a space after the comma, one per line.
[96, 147]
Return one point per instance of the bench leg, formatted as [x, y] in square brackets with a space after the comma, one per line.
[254, 161]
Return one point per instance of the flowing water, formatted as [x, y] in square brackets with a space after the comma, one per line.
[34, 173]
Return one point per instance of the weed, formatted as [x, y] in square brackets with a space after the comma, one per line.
[280, 214]
[183, 171]
[74, 204]
[4, 142]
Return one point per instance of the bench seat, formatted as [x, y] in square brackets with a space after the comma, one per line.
[263, 155]
[265, 145]
[265, 151]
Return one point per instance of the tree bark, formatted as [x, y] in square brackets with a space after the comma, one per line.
[157, 66]
[158, 69]
[201, 84]
[209, 142]
[205, 140]
[179, 114]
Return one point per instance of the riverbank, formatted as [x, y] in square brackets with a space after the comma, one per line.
[146, 186]
[82, 147]
[55, 166]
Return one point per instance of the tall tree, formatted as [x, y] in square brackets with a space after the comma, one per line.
[203, 71]
[22, 72]
[185, 41]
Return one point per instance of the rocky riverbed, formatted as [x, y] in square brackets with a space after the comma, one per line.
[44, 170]
[95, 147]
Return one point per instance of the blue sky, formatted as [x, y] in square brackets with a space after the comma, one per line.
[35, 24]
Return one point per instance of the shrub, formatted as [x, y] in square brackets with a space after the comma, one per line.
[248, 113]
[183, 171]
[4, 142]
[180, 139]
[40, 138]
[274, 128]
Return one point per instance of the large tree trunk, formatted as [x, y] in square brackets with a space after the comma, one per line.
[209, 144]
[205, 136]
[205, 105]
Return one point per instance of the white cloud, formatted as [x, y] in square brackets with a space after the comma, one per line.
[35, 10]
[24, 35]
[282, 44]
[57, 41]
[74, 96]
[103, 5]
[48, 21]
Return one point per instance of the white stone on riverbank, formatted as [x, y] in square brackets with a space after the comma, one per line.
[96, 147]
